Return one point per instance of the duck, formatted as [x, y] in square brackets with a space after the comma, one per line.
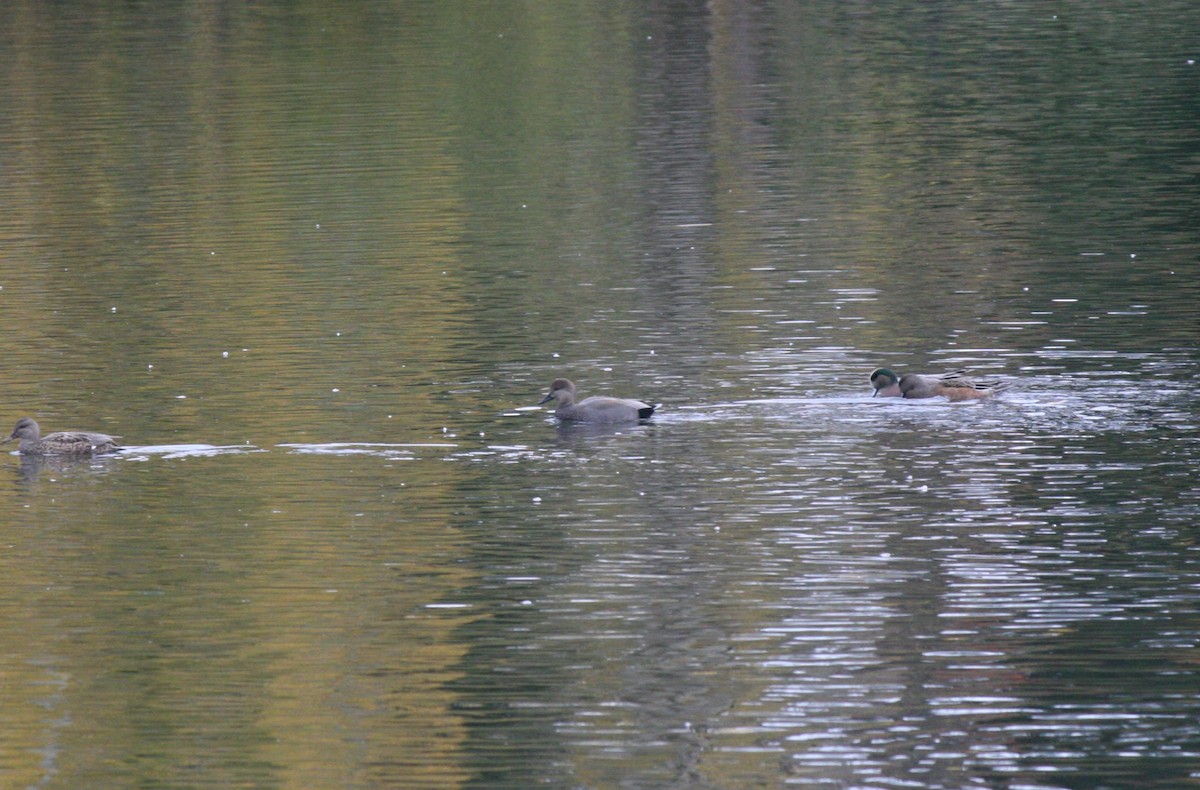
[953, 385]
[76, 443]
[597, 408]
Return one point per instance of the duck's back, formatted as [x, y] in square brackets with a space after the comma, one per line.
[601, 408]
[954, 386]
[72, 443]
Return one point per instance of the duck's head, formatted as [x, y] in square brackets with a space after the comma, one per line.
[26, 428]
[884, 380]
[561, 390]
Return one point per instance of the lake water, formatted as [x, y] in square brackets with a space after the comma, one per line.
[317, 263]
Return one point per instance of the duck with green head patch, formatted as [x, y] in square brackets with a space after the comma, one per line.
[952, 386]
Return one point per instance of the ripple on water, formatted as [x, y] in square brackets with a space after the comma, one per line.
[174, 451]
[390, 451]
[889, 574]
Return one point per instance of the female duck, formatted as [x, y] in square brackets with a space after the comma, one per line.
[596, 408]
[77, 443]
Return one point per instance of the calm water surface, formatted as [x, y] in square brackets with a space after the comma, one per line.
[317, 265]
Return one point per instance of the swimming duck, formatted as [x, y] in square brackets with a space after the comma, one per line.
[953, 386]
[61, 443]
[597, 408]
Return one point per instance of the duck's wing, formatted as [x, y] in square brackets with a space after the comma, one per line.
[955, 378]
[959, 380]
[600, 408]
[81, 439]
